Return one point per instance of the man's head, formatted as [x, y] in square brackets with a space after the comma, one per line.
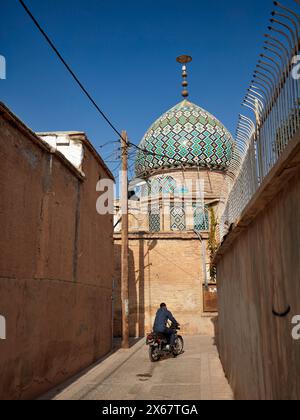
[163, 306]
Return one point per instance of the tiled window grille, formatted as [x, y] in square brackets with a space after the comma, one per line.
[201, 219]
[178, 222]
[154, 219]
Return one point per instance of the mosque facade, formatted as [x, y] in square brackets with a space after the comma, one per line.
[184, 171]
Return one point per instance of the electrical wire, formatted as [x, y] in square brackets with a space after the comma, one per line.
[148, 152]
[114, 155]
[84, 90]
[109, 143]
[117, 167]
[67, 66]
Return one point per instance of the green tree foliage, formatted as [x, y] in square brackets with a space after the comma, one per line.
[213, 243]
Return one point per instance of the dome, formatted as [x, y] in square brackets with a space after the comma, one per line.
[187, 135]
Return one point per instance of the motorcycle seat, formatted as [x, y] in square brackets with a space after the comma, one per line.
[160, 335]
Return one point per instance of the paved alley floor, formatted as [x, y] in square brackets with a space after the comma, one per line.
[129, 375]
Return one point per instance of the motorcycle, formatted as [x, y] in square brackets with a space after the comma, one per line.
[159, 345]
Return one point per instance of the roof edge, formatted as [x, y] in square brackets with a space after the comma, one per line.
[4, 110]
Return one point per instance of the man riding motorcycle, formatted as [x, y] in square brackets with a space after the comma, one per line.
[160, 324]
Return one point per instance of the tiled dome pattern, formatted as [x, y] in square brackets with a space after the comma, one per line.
[186, 135]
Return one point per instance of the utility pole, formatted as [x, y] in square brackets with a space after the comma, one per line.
[125, 251]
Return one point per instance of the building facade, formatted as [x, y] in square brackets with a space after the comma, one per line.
[184, 172]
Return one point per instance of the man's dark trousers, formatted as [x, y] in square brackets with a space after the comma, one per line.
[170, 334]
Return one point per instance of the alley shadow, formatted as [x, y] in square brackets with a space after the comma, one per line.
[215, 321]
[117, 345]
[138, 253]
[136, 295]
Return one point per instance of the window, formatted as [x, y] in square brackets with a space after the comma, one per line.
[145, 190]
[178, 217]
[154, 219]
[162, 185]
[201, 219]
[168, 185]
[155, 186]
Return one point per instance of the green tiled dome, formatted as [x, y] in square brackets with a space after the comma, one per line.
[186, 135]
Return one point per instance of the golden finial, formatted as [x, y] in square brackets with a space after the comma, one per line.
[184, 60]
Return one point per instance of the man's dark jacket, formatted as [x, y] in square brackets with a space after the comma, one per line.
[162, 317]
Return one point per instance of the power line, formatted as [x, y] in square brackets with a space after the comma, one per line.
[117, 167]
[69, 68]
[131, 167]
[147, 151]
[109, 143]
[85, 91]
[113, 155]
[176, 162]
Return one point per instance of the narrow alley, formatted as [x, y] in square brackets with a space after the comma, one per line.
[129, 375]
[150, 191]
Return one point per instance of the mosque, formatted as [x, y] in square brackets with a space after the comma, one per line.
[184, 171]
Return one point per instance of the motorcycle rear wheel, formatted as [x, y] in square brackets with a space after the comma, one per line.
[154, 354]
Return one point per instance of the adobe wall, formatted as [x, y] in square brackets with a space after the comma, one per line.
[258, 276]
[163, 267]
[56, 265]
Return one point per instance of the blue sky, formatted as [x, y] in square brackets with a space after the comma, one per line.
[124, 52]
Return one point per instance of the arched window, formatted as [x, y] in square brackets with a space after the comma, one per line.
[201, 219]
[165, 185]
[155, 186]
[154, 218]
[145, 190]
[168, 185]
[178, 217]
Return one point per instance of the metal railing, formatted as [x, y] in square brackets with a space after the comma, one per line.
[274, 99]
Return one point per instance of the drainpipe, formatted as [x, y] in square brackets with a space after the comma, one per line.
[203, 258]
